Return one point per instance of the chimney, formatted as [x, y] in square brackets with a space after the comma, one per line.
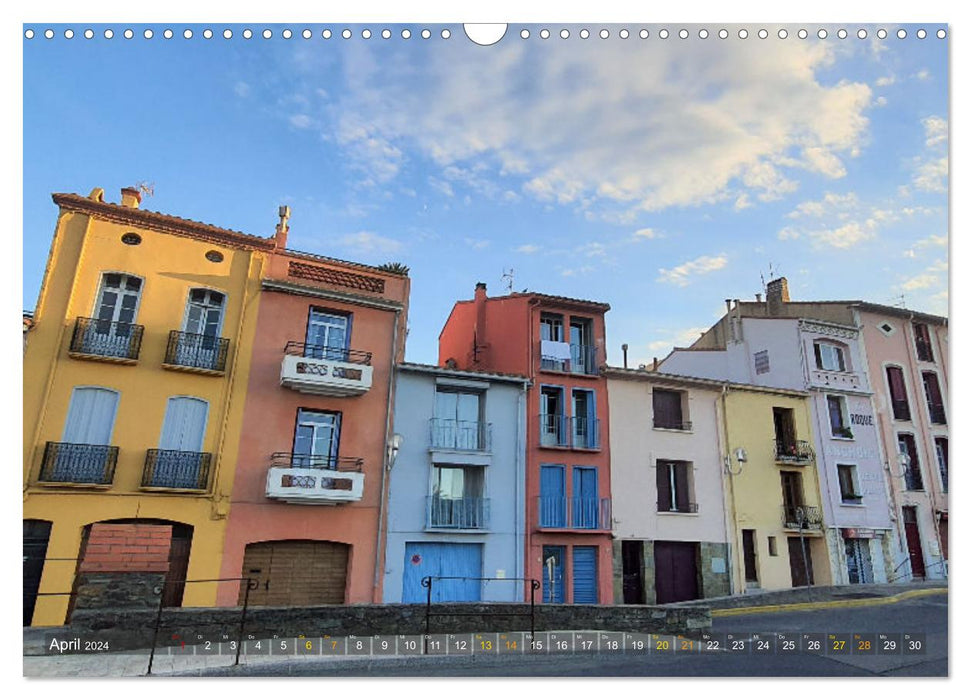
[654, 366]
[777, 295]
[758, 298]
[481, 332]
[282, 228]
[131, 197]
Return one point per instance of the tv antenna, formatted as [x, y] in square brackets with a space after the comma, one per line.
[507, 279]
[772, 274]
[146, 188]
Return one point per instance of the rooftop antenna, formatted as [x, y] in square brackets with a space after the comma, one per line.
[146, 188]
[507, 279]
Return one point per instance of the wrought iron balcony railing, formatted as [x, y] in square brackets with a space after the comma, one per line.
[937, 413]
[913, 480]
[794, 451]
[574, 513]
[457, 513]
[302, 461]
[96, 338]
[553, 430]
[176, 469]
[326, 352]
[901, 409]
[196, 351]
[667, 424]
[583, 359]
[677, 507]
[801, 517]
[73, 463]
[585, 433]
[467, 435]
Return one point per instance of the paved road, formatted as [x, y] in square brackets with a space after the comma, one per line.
[926, 615]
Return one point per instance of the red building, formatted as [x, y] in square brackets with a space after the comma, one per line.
[559, 343]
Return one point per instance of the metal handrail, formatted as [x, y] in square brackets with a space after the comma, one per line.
[553, 425]
[177, 469]
[458, 513]
[77, 463]
[327, 352]
[100, 338]
[672, 425]
[585, 432]
[196, 350]
[453, 434]
[573, 513]
[675, 508]
[304, 461]
[794, 451]
[802, 517]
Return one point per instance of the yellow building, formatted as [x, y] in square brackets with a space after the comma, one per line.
[772, 491]
[134, 384]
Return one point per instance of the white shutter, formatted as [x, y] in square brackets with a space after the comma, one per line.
[91, 416]
[185, 424]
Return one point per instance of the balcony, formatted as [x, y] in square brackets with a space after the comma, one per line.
[574, 513]
[792, 452]
[666, 424]
[677, 507]
[109, 341]
[585, 433]
[178, 470]
[457, 513]
[553, 430]
[557, 356]
[459, 435]
[325, 371]
[72, 463]
[801, 517]
[834, 379]
[901, 409]
[314, 479]
[937, 413]
[193, 352]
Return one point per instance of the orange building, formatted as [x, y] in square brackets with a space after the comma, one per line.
[559, 343]
[307, 505]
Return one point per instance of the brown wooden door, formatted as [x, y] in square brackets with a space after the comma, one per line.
[912, 533]
[791, 490]
[632, 556]
[36, 536]
[800, 562]
[296, 572]
[675, 571]
[179, 548]
[748, 555]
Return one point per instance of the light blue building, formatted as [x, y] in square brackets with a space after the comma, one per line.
[456, 502]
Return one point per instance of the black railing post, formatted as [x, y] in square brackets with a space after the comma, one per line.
[158, 623]
[533, 587]
[242, 619]
[427, 583]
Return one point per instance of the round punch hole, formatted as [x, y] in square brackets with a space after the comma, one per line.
[267, 34]
[227, 34]
[207, 34]
[624, 33]
[524, 34]
[405, 33]
[941, 34]
[366, 34]
[29, 34]
[743, 34]
[187, 34]
[247, 33]
[763, 34]
[722, 33]
[346, 34]
[327, 34]
[921, 34]
[425, 34]
[68, 33]
[841, 33]
[544, 34]
[148, 34]
[88, 34]
[604, 33]
[49, 34]
[129, 33]
[702, 33]
[822, 34]
[584, 33]
[306, 33]
[564, 33]
[664, 33]
[287, 34]
[385, 33]
[881, 33]
[861, 34]
[644, 34]
[683, 34]
[446, 33]
[901, 33]
[783, 34]
[168, 33]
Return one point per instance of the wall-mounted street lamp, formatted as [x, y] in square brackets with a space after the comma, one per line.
[394, 446]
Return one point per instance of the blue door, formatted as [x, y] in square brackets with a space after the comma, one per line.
[584, 574]
[553, 574]
[463, 561]
[552, 497]
[585, 499]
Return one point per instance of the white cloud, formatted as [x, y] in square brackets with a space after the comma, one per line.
[885, 80]
[788, 234]
[923, 74]
[935, 131]
[366, 242]
[830, 203]
[301, 121]
[881, 101]
[577, 129]
[683, 274]
[646, 233]
[672, 339]
[592, 250]
[843, 237]
[527, 249]
[241, 89]
[931, 240]
[742, 202]
[477, 243]
[922, 281]
[931, 176]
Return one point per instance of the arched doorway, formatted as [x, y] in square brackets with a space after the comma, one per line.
[37, 534]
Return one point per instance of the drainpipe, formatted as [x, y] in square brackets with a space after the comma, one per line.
[385, 461]
[520, 487]
[730, 520]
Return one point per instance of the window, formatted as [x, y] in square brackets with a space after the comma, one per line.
[886, 328]
[198, 345]
[761, 362]
[316, 438]
[84, 454]
[552, 417]
[829, 357]
[935, 402]
[910, 462]
[554, 350]
[674, 487]
[785, 432]
[179, 461]
[792, 498]
[583, 352]
[112, 333]
[552, 496]
[940, 446]
[456, 499]
[838, 423]
[898, 393]
[457, 423]
[586, 500]
[922, 342]
[118, 298]
[668, 410]
[773, 550]
[849, 484]
[586, 427]
[328, 335]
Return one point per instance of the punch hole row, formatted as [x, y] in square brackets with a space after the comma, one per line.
[446, 33]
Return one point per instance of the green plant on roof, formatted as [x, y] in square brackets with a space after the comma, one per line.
[394, 267]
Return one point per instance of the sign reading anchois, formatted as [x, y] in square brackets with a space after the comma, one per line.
[861, 419]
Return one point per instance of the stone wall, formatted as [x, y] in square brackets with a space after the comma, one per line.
[713, 566]
[97, 591]
[133, 629]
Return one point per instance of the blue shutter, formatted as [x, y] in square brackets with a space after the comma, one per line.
[584, 574]
[442, 559]
[586, 502]
[552, 498]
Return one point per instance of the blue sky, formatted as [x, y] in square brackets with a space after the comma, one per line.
[659, 175]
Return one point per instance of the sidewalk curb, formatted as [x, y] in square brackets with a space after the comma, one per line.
[886, 600]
